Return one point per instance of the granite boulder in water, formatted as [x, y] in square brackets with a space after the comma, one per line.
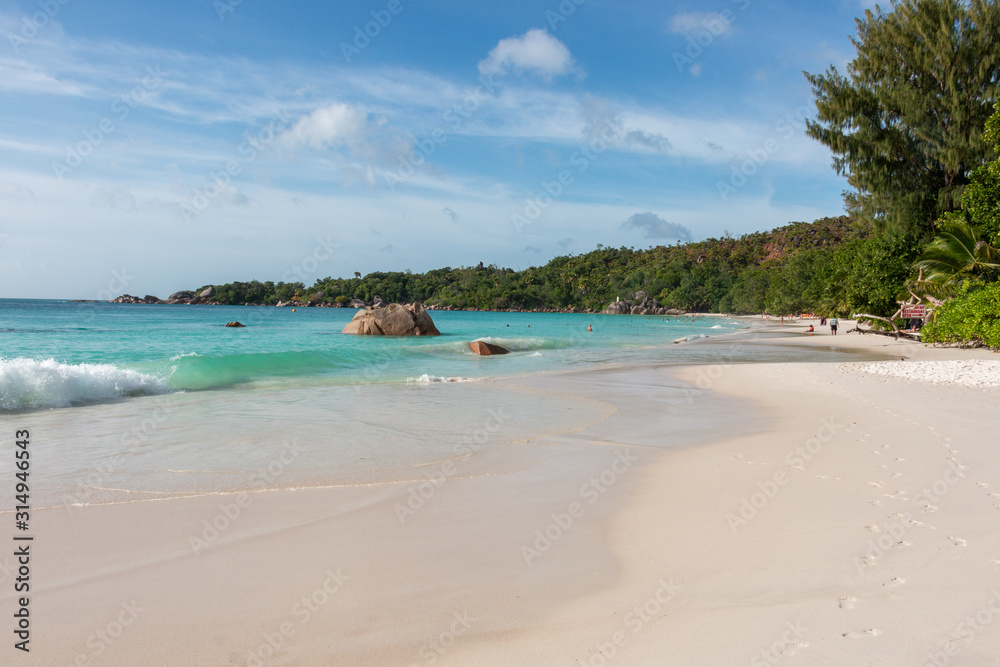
[484, 349]
[392, 320]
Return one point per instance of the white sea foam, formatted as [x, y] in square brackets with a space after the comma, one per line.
[969, 373]
[718, 326]
[432, 379]
[27, 383]
[536, 354]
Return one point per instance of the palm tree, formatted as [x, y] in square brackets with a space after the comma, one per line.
[955, 255]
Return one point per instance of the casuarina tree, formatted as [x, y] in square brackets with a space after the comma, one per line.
[905, 123]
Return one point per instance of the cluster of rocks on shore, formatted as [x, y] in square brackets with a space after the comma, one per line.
[640, 304]
[184, 297]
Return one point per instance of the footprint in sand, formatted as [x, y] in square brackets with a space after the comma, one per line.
[884, 467]
[899, 459]
[958, 541]
[930, 508]
[847, 602]
[873, 528]
[876, 453]
[983, 484]
[994, 495]
[792, 648]
[876, 503]
[895, 581]
[871, 632]
[877, 485]
[896, 474]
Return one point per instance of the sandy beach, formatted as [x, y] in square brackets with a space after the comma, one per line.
[731, 514]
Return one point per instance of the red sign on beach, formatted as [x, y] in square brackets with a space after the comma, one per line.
[913, 312]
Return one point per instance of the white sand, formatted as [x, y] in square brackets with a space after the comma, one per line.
[824, 517]
[970, 373]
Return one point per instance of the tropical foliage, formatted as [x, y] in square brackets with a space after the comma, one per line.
[971, 319]
[905, 124]
[955, 256]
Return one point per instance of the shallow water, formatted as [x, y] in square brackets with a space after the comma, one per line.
[133, 403]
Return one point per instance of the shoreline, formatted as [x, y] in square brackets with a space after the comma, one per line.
[405, 587]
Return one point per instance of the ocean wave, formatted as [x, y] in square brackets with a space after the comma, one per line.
[434, 379]
[31, 384]
[195, 372]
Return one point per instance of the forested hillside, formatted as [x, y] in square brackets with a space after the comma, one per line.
[824, 266]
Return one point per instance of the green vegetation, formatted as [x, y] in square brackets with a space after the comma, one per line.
[791, 269]
[971, 319]
[906, 122]
[956, 256]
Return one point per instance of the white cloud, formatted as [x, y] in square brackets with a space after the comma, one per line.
[692, 23]
[334, 125]
[535, 51]
[599, 114]
[655, 227]
[17, 76]
[358, 140]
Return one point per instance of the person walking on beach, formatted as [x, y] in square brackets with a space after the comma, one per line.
[833, 326]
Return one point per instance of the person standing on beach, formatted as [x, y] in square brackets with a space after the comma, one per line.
[833, 326]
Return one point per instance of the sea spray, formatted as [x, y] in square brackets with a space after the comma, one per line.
[32, 384]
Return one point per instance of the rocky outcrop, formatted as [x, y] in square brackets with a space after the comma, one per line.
[484, 349]
[393, 320]
[379, 302]
[618, 308]
[640, 304]
[356, 303]
[236, 325]
[128, 298]
[208, 292]
[183, 296]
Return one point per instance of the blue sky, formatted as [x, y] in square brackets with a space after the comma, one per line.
[146, 148]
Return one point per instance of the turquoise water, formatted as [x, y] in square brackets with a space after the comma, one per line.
[131, 403]
[60, 354]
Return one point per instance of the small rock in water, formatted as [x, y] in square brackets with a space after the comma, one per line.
[234, 323]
